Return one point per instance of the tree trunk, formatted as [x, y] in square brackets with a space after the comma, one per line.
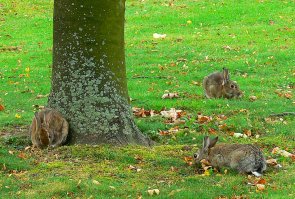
[88, 76]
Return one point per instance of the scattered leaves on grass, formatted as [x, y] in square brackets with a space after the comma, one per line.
[173, 114]
[285, 94]
[282, 152]
[153, 191]
[259, 183]
[141, 112]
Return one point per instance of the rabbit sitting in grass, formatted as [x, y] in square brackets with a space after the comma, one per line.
[49, 129]
[218, 84]
[245, 158]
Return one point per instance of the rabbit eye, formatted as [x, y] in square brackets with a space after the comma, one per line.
[232, 86]
[196, 155]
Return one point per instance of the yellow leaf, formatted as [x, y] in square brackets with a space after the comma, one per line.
[27, 69]
[95, 182]
[18, 116]
[206, 173]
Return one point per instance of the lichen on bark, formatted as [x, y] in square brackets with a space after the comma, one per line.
[88, 77]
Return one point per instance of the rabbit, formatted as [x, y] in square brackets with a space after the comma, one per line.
[245, 158]
[48, 129]
[218, 84]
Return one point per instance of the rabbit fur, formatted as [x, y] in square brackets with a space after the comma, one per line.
[218, 85]
[245, 158]
[48, 129]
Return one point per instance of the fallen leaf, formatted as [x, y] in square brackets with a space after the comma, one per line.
[261, 181]
[282, 152]
[247, 132]
[17, 116]
[96, 182]
[21, 155]
[288, 95]
[252, 98]
[157, 191]
[260, 187]
[150, 192]
[159, 36]
[204, 119]
[2, 107]
[206, 173]
[172, 113]
[170, 95]
[188, 160]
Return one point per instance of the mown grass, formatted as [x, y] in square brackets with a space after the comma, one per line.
[254, 39]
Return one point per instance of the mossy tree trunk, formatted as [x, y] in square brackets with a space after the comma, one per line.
[88, 77]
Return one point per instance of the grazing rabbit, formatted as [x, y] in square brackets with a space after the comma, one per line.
[246, 158]
[48, 129]
[218, 84]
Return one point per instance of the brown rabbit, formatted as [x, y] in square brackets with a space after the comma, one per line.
[218, 84]
[48, 129]
[246, 158]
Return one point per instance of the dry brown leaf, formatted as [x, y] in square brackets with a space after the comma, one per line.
[248, 132]
[204, 119]
[252, 98]
[260, 187]
[212, 131]
[2, 108]
[261, 181]
[282, 152]
[288, 95]
[22, 155]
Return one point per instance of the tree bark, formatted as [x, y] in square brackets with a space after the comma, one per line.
[89, 76]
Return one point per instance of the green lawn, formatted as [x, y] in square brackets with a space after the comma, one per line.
[254, 39]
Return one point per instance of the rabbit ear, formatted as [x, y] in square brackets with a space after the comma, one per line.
[212, 142]
[206, 142]
[225, 74]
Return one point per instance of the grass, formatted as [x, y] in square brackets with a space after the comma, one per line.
[254, 39]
